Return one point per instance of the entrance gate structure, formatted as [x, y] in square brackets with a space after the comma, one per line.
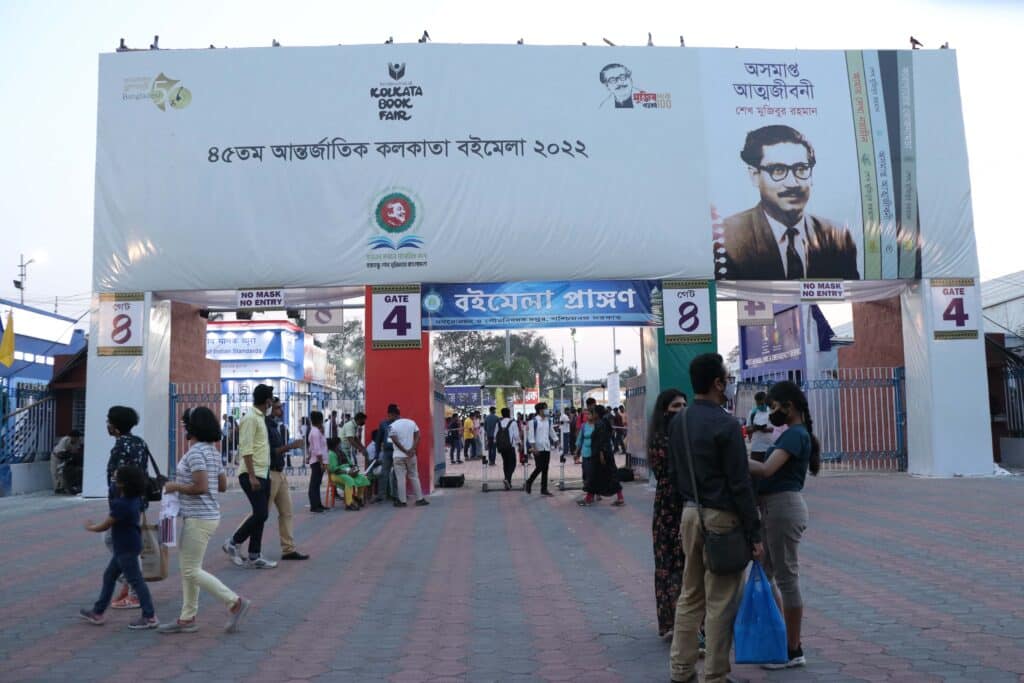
[769, 176]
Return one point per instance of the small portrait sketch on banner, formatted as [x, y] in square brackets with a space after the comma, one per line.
[779, 238]
[618, 79]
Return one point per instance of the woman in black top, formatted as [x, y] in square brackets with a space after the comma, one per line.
[604, 479]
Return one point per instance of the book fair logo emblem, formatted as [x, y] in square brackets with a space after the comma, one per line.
[395, 213]
[432, 302]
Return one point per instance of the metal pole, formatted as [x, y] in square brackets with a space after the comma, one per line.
[615, 354]
[508, 349]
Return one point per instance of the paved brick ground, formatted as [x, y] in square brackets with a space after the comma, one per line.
[905, 580]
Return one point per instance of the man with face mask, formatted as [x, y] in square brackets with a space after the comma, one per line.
[540, 437]
[778, 239]
[254, 449]
[280, 496]
[712, 438]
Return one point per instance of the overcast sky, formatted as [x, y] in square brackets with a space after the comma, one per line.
[48, 76]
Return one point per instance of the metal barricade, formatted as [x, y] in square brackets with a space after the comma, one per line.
[859, 417]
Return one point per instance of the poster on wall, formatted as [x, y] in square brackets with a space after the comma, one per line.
[952, 299]
[121, 324]
[687, 312]
[396, 317]
[811, 165]
[773, 347]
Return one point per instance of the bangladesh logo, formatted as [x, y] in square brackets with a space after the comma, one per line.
[396, 213]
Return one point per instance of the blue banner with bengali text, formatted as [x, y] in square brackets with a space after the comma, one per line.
[526, 305]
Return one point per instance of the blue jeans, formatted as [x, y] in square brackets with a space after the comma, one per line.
[455, 452]
[492, 450]
[385, 489]
[127, 564]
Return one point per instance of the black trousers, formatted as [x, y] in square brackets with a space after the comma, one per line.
[316, 477]
[508, 462]
[542, 458]
[252, 527]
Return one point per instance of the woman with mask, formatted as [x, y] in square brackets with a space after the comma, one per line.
[668, 512]
[783, 511]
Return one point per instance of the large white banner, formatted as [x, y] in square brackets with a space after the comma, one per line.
[312, 167]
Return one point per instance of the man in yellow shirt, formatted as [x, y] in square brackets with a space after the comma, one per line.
[469, 437]
[254, 449]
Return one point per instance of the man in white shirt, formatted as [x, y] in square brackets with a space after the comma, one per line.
[540, 436]
[760, 428]
[405, 435]
[565, 431]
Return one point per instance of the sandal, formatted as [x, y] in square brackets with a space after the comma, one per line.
[618, 503]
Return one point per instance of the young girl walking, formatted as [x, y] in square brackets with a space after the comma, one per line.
[126, 534]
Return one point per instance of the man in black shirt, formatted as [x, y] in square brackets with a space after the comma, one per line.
[386, 452]
[280, 496]
[727, 497]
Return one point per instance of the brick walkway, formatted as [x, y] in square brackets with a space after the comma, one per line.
[904, 580]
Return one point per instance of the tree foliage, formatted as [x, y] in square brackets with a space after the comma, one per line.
[479, 358]
[350, 344]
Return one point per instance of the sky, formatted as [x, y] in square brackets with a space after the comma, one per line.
[48, 74]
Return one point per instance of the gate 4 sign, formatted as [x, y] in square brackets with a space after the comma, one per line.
[687, 312]
[120, 324]
[396, 317]
[956, 308]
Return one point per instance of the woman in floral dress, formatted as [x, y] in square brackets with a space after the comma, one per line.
[668, 511]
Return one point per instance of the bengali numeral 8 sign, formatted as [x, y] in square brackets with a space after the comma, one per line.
[955, 308]
[687, 311]
[396, 317]
[120, 324]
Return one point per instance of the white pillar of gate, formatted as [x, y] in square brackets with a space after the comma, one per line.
[949, 427]
[138, 381]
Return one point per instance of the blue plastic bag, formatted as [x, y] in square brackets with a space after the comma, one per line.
[759, 631]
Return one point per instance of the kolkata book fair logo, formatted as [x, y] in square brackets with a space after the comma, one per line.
[396, 71]
[395, 213]
[433, 302]
[166, 92]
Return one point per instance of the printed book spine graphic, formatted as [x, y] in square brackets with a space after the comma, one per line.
[866, 166]
[883, 165]
[909, 227]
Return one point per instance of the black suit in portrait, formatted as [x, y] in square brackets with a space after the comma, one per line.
[752, 253]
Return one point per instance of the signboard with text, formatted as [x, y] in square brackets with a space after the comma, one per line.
[260, 299]
[952, 299]
[121, 324]
[396, 317]
[532, 305]
[687, 312]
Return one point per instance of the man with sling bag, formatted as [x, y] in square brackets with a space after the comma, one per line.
[720, 526]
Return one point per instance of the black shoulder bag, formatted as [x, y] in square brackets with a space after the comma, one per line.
[726, 553]
[154, 485]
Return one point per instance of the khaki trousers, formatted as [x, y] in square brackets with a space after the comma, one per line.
[705, 596]
[281, 497]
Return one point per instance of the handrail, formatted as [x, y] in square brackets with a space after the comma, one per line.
[28, 407]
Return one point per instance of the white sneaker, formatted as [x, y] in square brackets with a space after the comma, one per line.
[261, 563]
[232, 552]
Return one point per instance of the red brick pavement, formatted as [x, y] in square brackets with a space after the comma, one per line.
[904, 579]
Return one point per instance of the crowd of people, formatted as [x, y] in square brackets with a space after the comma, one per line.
[593, 434]
[708, 481]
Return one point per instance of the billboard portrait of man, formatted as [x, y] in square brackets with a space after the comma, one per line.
[619, 81]
[778, 239]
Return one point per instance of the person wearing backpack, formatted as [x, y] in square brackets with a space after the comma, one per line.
[506, 435]
[540, 437]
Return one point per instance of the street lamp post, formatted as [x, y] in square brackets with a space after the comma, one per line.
[23, 275]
